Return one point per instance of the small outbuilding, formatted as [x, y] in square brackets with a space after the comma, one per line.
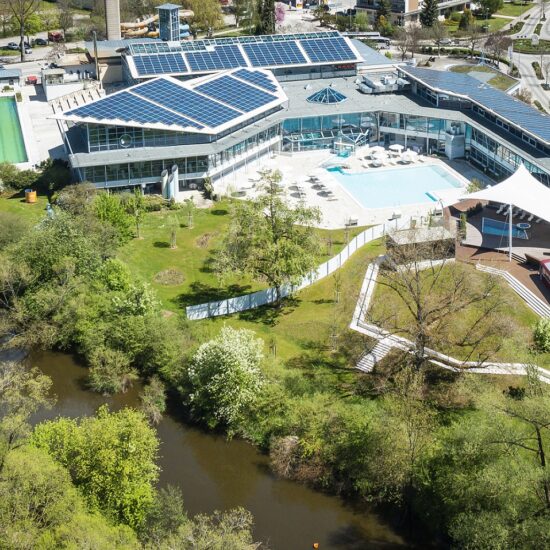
[422, 243]
[10, 77]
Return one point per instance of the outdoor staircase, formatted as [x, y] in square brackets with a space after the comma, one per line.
[369, 360]
[534, 302]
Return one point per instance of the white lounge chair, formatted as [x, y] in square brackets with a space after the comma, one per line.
[530, 218]
[538, 220]
[516, 211]
[502, 208]
[523, 215]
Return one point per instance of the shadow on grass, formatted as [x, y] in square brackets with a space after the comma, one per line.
[219, 212]
[270, 314]
[208, 265]
[200, 293]
[161, 244]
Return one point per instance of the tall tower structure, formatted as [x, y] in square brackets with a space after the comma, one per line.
[169, 22]
[112, 19]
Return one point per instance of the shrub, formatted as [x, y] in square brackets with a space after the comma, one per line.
[537, 69]
[17, 179]
[541, 335]
[225, 377]
[153, 203]
[110, 371]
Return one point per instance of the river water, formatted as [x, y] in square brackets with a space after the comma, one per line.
[215, 474]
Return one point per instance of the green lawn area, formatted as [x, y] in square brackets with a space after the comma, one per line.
[4, 52]
[307, 327]
[523, 45]
[17, 205]
[495, 24]
[193, 256]
[500, 81]
[514, 9]
[515, 314]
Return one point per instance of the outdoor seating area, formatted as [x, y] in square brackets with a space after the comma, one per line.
[378, 156]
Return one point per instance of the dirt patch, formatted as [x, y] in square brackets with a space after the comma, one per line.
[204, 240]
[169, 277]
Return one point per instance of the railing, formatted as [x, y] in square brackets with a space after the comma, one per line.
[268, 296]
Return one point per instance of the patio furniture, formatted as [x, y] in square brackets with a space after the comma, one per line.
[502, 208]
[523, 215]
[530, 218]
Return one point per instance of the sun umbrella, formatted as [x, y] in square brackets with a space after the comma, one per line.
[380, 155]
[397, 147]
[377, 149]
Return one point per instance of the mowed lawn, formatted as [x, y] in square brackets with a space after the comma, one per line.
[388, 306]
[196, 248]
[514, 9]
[15, 203]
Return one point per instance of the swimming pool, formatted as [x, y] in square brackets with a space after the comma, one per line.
[12, 146]
[489, 226]
[384, 188]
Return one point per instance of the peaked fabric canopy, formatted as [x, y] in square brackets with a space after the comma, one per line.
[521, 190]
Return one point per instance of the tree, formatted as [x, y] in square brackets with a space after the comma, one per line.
[22, 392]
[496, 44]
[438, 33]
[110, 370]
[153, 400]
[402, 41]
[541, 335]
[383, 10]
[208, 13]
[111, 459]
[523, 94]
[488, 7]
[109, 209]
[269, 240]
[280, 13]
[40, 508]
[423, 299]
[246, 13]
[135, 206]
[65, 15]
[266, 17]
[22, 11]
[225, 378]
[466, 20]
[430, 13]
[415, 33]
[475, 35]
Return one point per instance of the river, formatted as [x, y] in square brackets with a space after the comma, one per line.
[215, 474]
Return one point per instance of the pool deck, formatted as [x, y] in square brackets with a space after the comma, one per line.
[341, 206]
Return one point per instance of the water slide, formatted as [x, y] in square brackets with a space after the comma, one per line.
[148, 27]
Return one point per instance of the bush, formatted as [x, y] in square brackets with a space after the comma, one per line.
[17, 179]
[541, 335]
[537, 69]
[110, 371]
[153, 203]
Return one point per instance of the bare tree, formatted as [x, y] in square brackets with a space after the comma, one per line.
[524, 95]
[475, 35]
[438, 32]
[21, 10]
[402, 41]
[545, 66]
[425, 301]
[416, 34]
[496, 44]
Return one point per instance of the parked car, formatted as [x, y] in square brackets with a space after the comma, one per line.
[55, 36]
[446, 42]
[40, 42]
[12, 46]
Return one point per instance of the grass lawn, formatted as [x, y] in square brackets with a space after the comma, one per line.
[514, 9]
[151, 255]
[17, 205]
[500, 81]
[515, 314]
[4, 52]
[306, 328]
[523, 45]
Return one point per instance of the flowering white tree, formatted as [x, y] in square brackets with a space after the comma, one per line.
[280, 12]
[225, 376]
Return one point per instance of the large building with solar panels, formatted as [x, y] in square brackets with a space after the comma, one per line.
[288, 56]
[216, 106]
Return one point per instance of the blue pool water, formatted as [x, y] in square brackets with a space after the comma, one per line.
[381, 188]
[496, 227]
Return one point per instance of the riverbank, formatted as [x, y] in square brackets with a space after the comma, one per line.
[216, 474]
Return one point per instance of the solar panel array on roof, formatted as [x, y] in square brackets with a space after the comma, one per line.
[155, 64]
[335, 49]
[130, 108]
[276, 53]
[260, 79]
[235, 93]
[223, 57]
[187, 102]
[500, 103]
[150, 47]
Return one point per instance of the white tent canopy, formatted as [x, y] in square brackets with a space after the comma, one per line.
[521, 190]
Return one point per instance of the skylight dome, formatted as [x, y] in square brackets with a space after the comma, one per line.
[328, 96]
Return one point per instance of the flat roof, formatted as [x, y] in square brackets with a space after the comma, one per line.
[501, 104]
[207, 105]
[10, 73]
[371, 57]
[420, 235]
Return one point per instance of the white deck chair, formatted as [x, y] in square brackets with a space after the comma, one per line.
[501, 208]
[530, 218]
[522, 217]
[516, 211]
[538, 220]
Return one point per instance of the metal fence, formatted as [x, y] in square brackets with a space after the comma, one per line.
[268, 296]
